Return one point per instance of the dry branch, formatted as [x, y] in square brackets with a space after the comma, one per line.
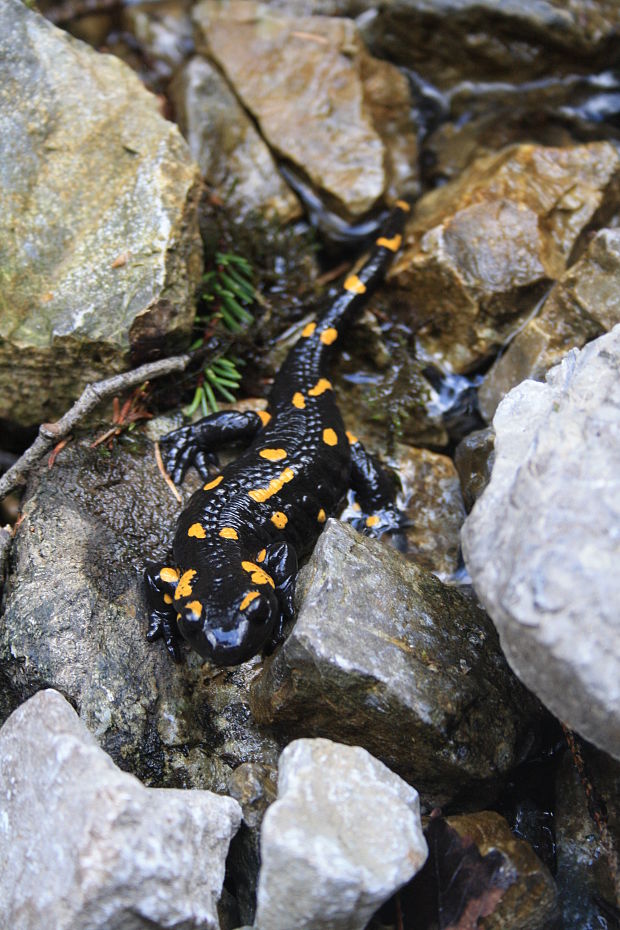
[92, 395]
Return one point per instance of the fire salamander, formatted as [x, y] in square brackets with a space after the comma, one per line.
[228, 587]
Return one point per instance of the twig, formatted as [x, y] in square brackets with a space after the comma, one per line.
[92, 395]
[165, 474]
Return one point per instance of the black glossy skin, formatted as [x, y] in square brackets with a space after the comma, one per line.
[229, 611]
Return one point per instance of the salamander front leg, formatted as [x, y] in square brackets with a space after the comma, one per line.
[375, 492]
[160, 584]
[197, 444]
[280, 560]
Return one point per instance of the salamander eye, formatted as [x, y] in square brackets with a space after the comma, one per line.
[258, 611]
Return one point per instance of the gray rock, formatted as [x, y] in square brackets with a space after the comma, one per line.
[542, 543]
[385, 656]
[583, 304]
[343, 836]
[320, 99]
[232, 156]
[75, 619]
[85, 846]
[101, 252]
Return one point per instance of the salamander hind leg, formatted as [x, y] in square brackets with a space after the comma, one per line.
[375, 493]
[160, 583]
[197, 444]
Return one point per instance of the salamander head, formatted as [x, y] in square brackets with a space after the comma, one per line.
[230, 633]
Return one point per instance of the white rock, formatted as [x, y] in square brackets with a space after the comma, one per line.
[542, 544]
[342, 837]
[85, 846]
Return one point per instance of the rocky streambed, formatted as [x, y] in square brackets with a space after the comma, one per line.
[436, 743]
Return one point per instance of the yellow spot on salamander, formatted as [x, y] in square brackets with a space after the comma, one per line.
[228, 532]
[352, 439]
[169, 574]
[279, 519]
[167, 599]
[308, 330]
[403, 205]
[247, 600]
[276, 484]
[213, 484]
[273, 455]
[299, 400]
[392, 244]
[264, 416]
[320, 387]
[329, 437]
[372, 521]
[184, 587]
[195, 607]
[329, 335]
[353, 284]
[261, 555]
[321, 516]
[197, 530]
[257, 574]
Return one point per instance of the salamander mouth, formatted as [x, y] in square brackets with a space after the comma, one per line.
[231, 641]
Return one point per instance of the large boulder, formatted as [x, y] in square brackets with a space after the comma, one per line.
[383, 655]
[542, 543]
[321, 101]
[85, 846]
[100, 247]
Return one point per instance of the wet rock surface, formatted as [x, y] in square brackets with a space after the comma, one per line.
[99, 270]
[583, 304]
[473, 458]
[483, 250]
[222, 138]
[530, 903]
[480, 40]
[384, 656]
[542, 546]
[313, 89]
[587, 877]
[75, 619]
[343, 835]
[123, 855]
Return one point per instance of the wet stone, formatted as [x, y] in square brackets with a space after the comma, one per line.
[449, 41]
[530, 903]
[541, 544]
[75, 619]
[343, 835]
[320, 99]
[99, 272]
[233, 158]
[588, 883]
[473, 458]
[435, 507]
[583, 304]
[385, 656]
[483, 250]
[123, 855]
